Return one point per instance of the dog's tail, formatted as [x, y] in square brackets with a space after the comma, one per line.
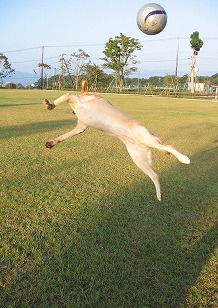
[84, 89]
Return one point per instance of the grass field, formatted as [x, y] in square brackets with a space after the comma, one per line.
[80, 224]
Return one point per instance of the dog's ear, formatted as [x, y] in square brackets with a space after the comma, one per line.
[84, 89]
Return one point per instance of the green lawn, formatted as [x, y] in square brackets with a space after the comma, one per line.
[81, 225]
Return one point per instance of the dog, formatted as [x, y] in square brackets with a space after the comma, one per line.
[95, 111]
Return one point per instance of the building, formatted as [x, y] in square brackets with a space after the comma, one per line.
[198, 86]
[215, 86]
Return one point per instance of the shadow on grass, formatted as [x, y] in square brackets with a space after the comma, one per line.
[126, 250]
[33, 128]
[18, 105]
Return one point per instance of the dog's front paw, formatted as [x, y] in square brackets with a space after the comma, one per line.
[48, 105]
[49, 144]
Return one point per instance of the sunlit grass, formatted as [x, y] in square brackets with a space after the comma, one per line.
[80, 224]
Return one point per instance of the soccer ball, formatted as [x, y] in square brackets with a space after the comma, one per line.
[151, 18]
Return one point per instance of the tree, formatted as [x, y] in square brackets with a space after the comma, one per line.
[214, 79]
[44, 67]
[93, 74]
[167, 80]
[5, 67]
[76, 65]
[196, 44]
[63, 70]
[119, 56]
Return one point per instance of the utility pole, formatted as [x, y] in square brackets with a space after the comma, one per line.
[42, 70]
[192, 72]
[196, 44]
[177, 63]
[177, 59]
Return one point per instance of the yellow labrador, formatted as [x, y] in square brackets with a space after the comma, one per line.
[95, 111]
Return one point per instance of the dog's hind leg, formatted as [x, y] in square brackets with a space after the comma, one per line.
[143, 136]
[141, 155]
[182, 158]
[81, 127]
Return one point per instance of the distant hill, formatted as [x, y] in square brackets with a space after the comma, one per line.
[22, 77]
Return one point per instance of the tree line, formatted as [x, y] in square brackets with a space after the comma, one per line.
[119, 56]
[108, 82]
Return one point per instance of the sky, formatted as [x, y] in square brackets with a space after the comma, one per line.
[65, 26]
